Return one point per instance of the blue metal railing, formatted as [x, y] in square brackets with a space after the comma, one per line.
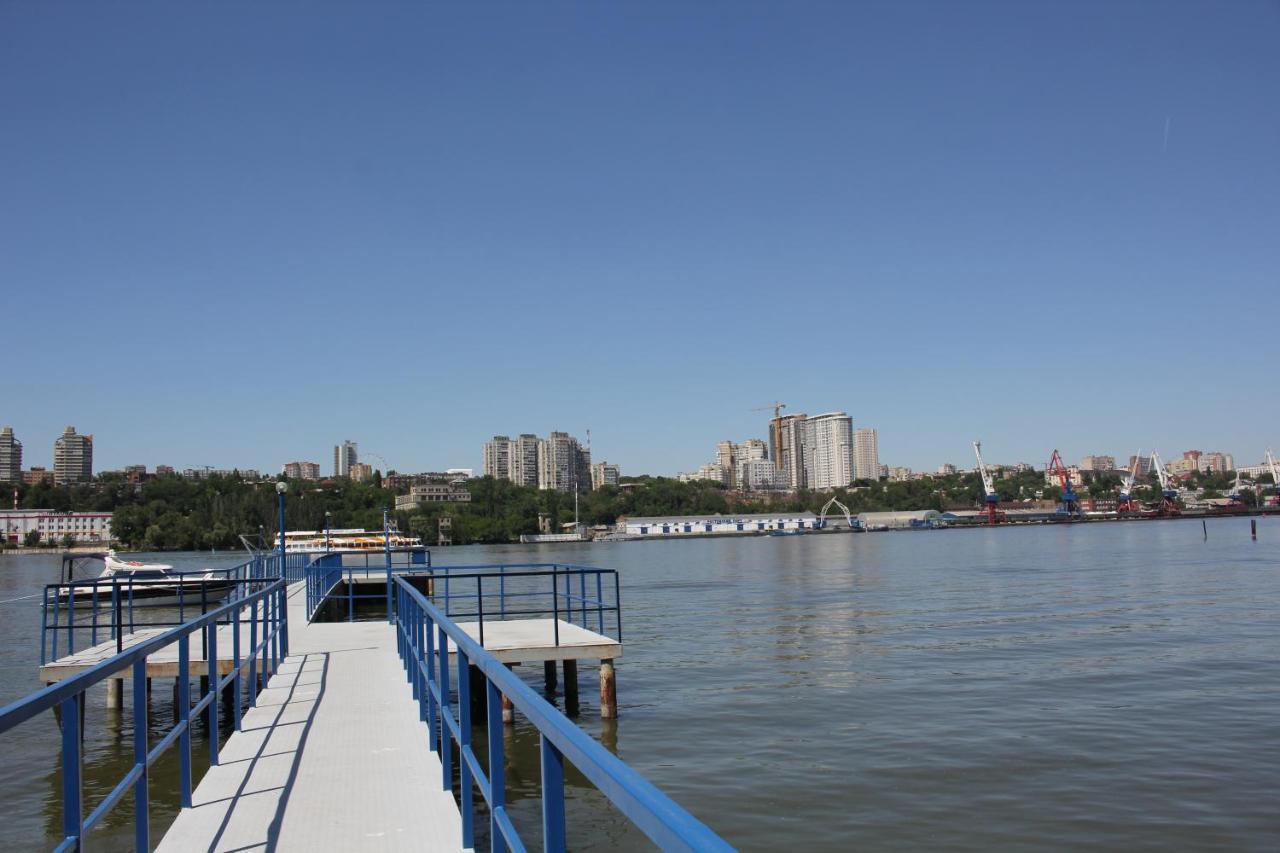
[582, 595]
[424, 634]
[266, 608]
[327, 570]
[84, 613]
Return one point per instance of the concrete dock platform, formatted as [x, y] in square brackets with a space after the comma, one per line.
[308, 772]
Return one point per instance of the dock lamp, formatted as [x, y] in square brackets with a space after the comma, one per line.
[281, 488]
[328, 518]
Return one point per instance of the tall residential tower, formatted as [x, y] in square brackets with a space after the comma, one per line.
[10, 457]
[72, 458]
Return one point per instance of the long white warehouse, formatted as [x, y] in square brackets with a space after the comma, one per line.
[711, 525]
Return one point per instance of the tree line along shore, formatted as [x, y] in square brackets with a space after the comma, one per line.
[171, 513]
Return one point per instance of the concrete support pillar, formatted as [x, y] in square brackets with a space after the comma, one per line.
[608, 690]
[508, 709]
[115, 692]
[571, 688]
[549, 675]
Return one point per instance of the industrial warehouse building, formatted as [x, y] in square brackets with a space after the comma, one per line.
[711, 525]
[898, 520]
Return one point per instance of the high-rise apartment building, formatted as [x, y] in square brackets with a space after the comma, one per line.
[72, 457]
[301, 470]
[730, 456]
[497, 458]
[10, 457]
[603, 474]
[557, 462]
[828, 451]
[563, 465]
[515, 460]
[1215, 462]
[1098, 463]
[866, 454]
[788, 434]
[524, 460]
[757, 475]
[344, 456]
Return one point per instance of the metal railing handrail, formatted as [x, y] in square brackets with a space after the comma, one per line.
[424, 634]
[68, 696]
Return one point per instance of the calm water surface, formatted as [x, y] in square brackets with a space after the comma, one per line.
[1113, 685]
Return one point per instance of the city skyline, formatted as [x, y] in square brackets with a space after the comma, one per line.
[31, 457]
[990, 223]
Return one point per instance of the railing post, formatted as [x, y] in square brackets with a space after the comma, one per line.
[429, 660]
[235, 662]
[253, 653]
[446, 747]
[184, 719]
[555, 609]
[284, 621]
[464, 742]
[553, 829]
[72, 787]
[497, 768]
[211, 631]
[141, 808]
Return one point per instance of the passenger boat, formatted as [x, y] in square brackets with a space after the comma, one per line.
[354, 539]
[143, 584]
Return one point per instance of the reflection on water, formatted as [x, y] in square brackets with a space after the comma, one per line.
[1107, 685]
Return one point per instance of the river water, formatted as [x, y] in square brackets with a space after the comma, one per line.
[1113, 685]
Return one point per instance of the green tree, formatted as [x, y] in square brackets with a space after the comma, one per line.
[31, 539]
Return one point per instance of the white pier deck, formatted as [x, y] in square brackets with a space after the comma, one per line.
[309, 772]
[162, 664]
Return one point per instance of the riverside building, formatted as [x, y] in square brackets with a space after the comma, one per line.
[72, 458]
[10, 457]
[671, 526]
[788, 435]
[555, 463]
[53, 527]
[828, 446]
[866, 454]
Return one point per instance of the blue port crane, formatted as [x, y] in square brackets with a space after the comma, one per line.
[989, 494]
[1069, 503]
[1168, 494]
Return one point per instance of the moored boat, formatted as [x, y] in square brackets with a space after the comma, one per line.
[144, 584]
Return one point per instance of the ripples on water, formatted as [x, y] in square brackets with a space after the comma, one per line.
[1106, 684]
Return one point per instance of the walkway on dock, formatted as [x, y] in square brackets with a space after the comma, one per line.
[333, 756]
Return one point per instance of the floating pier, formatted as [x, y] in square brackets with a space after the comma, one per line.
[358, 732]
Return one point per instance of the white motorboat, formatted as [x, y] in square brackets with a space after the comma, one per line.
[142, 584]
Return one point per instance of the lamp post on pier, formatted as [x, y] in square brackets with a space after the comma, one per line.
[386, 550]
[328, 518]
[281, 488]
[283, 609]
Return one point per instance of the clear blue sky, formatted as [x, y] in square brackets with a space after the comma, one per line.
[238, 234]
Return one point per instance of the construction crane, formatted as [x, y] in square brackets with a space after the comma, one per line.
[822, 516]
[1275, 477]
[990, 495]
[1069, 503]
[775, 430]
[1168, 494]
[1126, 502]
